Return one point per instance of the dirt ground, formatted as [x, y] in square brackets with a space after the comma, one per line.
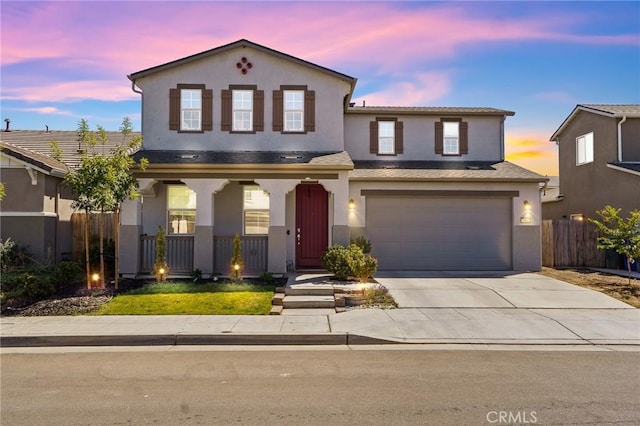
[611, 285]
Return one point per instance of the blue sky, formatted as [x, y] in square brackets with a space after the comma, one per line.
[67, 60]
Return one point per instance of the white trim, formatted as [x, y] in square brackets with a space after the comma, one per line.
[27, 214]
[622, 169]
[33, 175]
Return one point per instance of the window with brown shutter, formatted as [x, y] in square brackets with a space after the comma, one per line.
[386, 136]
[254, 109]
[298, 109]
[193, 114]
[451, 137]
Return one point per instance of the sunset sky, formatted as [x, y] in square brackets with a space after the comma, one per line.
[66, 60]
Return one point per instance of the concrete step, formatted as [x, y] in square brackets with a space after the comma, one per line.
[317, 311]
[276, 310]
[309, 290]
[277, 299]
[300, 302]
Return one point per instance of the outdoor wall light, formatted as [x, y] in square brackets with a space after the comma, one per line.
[526, 217]
[527, 205]
[352, 204]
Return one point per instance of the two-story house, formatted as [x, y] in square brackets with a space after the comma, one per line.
[243, 139]
[599, 161]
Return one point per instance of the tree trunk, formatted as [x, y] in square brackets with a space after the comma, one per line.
[101, 233]
[87, 264]
[116, 236]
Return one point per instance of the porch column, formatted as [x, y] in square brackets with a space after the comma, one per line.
[340, 190]
[129, 238]
[203, 237]
[277, 244]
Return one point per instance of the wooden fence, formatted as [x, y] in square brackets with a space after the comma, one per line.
[77, 227]
[571, 243]
[254, 254]
[179, 253]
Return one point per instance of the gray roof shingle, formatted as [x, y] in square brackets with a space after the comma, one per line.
[41, 161]
[428, 110]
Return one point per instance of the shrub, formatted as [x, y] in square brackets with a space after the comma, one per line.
[65, 275]
[363, 243]
[161, 268]
[236, 259]
[338, 260]
[365, 267]
[267, 278]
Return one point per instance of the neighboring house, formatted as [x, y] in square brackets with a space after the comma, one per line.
[243, 139]
[599, 159]
[36, 211]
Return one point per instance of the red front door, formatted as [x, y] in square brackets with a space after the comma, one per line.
[312, 225]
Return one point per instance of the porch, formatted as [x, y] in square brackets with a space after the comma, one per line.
[181, 248]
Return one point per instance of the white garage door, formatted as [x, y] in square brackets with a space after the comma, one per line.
[440, 233]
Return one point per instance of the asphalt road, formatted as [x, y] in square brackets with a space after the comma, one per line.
[312, 386]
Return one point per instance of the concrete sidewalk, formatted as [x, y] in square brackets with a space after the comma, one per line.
[517, 309]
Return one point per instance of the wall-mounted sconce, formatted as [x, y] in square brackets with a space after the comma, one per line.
[352, 204]
[577, 216]
[527, 216]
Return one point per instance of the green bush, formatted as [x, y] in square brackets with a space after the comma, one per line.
[65, 275]
[365, 267]
[363, 243]
[345, 262]
[267, 278]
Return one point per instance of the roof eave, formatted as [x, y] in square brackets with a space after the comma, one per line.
[373, 110]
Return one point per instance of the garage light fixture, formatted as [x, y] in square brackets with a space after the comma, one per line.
[352, 204]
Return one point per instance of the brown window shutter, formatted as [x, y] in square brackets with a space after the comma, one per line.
[310, 111]
[207, 110]
[258, 110]
[398, 137]
[225, 119]
[464, 137]
[373, 137]
[439, 138]
[278, 110]
[174, 109]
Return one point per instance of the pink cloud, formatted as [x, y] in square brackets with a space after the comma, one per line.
[422, 89]
[47, 110]
[72, 91]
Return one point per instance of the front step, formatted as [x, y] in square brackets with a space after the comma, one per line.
[309, 290]
[308, 302]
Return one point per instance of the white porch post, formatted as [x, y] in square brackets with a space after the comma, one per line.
[203, 237]
[130, 230]
[277, 245]
[340, 190]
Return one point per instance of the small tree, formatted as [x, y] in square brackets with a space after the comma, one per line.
[618, 234]
[160, 267]
[236, 259]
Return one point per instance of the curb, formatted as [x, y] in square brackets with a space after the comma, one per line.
[191, 339]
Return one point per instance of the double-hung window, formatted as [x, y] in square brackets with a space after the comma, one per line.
[242, 110]
[191, 109]
[293, 110]
[181, 206]
[451, 142]
[584, 149]
[386, 137]
[255, 211]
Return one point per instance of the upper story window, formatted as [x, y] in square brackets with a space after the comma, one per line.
[294, 109]
[181, 207]
[255, 211]
[584, 149]
[451, 131]
[191, 108]
[386, 136]
[451, 137]
[242, 109]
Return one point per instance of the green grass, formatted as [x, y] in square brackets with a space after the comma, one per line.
[193, 299]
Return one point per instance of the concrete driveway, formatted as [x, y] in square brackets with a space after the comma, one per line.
[490, 290]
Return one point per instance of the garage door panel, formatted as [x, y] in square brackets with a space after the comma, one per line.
[430, 233]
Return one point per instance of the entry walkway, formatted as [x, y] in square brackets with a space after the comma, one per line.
[531, 311]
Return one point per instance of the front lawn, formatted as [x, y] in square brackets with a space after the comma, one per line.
[182, 298]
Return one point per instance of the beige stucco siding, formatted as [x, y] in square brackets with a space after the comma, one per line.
[268, 73]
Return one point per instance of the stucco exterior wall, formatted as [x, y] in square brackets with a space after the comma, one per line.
[631, 140]
[485, 138]
[589, 187]
[268, 73]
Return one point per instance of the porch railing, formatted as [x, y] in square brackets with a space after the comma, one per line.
[254, 254]
[179, 253]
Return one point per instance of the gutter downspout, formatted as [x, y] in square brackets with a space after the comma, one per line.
[624, 118]
[502, 147]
